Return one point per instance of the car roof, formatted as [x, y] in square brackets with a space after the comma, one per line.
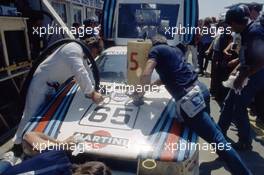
[116, 50]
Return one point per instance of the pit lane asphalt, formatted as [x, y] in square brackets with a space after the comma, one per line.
[209, 162]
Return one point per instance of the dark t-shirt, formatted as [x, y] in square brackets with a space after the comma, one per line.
[253, 42]
[174, 72]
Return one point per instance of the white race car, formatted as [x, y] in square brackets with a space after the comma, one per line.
[131, 139]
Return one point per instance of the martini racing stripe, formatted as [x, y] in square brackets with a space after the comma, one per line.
[173, 138]
[160, 124]
[189, 138]
[58, 121]
[34, 121]
[155, 133]
[192, 138]
[50, 113]
[111, 17]
[58, 112]
[187, 150]
[183, 141]
[164, 133]
[39, 122]
[159, 133]
[108, 17]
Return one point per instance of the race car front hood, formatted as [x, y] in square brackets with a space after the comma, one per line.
[117, 128]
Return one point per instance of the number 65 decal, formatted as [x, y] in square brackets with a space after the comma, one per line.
[114, 116]
[118, 118]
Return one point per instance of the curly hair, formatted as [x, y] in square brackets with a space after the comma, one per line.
[91, 168]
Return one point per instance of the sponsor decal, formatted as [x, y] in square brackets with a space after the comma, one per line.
[100, 139]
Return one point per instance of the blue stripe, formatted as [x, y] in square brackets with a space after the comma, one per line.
[64, 112]
[194, 141]
[187, 17]
[106, 5]
[164, 136]
[111, 16]
[58, 111]
[158, 126]
[35, 120]
[161, 123]
[192, 9]
[193, 18]
[183, 141]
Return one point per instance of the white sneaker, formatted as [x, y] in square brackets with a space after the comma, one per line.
[8, 157]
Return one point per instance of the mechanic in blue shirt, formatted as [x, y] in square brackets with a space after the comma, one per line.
[251, 66]
[181, 81]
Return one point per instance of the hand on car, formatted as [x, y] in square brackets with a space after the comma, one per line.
[70, 141]
[97, 97]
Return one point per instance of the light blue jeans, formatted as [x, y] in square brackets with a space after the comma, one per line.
[205, 127]
[4, 166]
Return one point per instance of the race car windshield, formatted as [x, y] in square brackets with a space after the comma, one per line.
[112, 68]
[146, 20]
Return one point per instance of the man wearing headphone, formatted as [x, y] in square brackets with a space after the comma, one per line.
[251, 66]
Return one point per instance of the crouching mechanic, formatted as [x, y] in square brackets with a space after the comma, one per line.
[52, 157]
[190, 95]
[65, 62]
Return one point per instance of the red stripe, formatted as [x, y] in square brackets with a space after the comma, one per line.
[46, 118]
[168, 154]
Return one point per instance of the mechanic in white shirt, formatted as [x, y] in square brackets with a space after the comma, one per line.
[67, 61]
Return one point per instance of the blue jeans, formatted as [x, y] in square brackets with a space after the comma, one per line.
[235, 107]
[206, 128]
[4, 166]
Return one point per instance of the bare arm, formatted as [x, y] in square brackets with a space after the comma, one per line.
[35, 142]
[146, 75]
[227, 49]
[145, 78]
